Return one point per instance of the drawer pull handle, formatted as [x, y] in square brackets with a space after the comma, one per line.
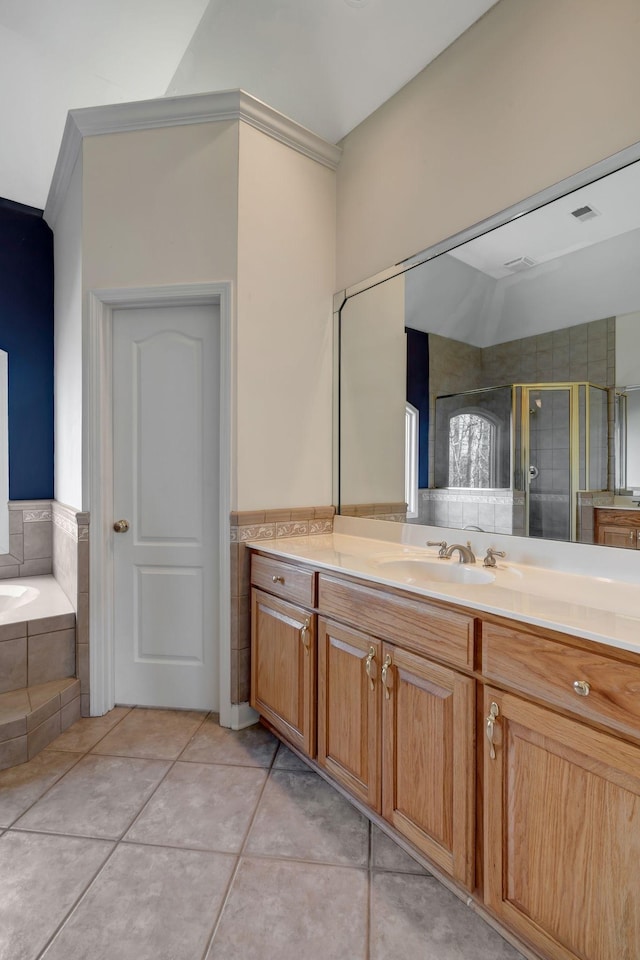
[304, 636]
[494, 712]
[370, 667]
[277, 579]
[387, 676]
[582, 688]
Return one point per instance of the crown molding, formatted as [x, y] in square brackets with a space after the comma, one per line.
[178, 111]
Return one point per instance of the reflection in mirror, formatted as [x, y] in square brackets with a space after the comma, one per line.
[4, 452]
[524, 347]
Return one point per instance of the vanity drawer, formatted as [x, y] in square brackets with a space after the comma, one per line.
[548, 670]
[284, 580]
[415, 624]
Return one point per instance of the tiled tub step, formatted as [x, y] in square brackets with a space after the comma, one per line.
[30, 718]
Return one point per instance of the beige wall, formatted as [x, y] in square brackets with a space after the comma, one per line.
[373, 396]
[160, 206]
[534, 92]
[286, 277]
[224, 202]
[68, 344]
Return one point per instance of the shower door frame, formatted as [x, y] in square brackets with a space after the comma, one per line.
[574, 444]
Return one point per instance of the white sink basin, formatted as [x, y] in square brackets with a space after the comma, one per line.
[420, 570]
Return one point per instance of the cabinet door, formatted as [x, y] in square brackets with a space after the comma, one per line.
[283, 668]
[428, 782]
[614, 536]
[562, 831]
[349, 709]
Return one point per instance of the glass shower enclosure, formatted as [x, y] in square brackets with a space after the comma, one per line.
[544, 441]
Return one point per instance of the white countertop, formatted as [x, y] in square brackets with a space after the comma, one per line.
[596, 608]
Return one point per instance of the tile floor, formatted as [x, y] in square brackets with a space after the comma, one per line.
[158, 834]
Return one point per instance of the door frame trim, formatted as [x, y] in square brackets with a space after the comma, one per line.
[98, 474]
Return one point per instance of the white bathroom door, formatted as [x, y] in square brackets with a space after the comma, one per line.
[166, 429]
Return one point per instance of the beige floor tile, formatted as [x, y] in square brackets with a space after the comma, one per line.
[302, 817]
[21, 786]
[287, 760]
[152, 734]
[387, 855]
[252, 747]
[87, 732]
[41, 877]
[148, 903]
[416, 918]
[202, 806]
[287, 911]
[99, 797]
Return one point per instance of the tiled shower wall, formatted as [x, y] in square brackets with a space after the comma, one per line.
[585, 352]
[260, 525]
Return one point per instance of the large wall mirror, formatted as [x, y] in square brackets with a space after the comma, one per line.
[493, 382]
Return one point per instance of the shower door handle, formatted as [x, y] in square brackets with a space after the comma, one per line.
[533, 472]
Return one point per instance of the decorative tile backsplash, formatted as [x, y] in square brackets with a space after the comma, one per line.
[260, 525]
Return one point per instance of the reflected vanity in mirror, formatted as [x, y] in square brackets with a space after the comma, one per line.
[493, 382]
[4, 452]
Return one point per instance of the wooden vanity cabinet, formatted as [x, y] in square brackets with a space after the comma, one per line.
[557, 777]
[283, 650]
[428, 759]
[395, 727]
[349, 709]
[562, 832]
[617, 528]
[562, 793]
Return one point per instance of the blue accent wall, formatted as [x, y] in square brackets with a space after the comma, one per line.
[26, 333]
[418, 395]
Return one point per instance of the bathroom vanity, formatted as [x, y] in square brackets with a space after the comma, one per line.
[617, 527]
[490, 723]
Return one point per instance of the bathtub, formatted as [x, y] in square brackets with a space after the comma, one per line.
[32, 598]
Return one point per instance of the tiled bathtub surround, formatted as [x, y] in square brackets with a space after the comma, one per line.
[260, 525]
[30, 540]
[493, 511]
[39, 695]
[70, 554]
[32, 717]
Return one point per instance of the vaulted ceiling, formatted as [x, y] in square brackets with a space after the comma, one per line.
[325, 63]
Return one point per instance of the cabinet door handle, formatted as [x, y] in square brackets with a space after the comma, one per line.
[494, 712]
[277, 579]
[304, 636]
[370, 667]
[387, 676]
[582, 688]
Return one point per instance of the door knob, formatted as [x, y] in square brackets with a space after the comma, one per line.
[121, 526]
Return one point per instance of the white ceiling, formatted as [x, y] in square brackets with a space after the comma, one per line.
[325, 63]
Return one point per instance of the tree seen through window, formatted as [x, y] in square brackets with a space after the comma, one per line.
[471, 451]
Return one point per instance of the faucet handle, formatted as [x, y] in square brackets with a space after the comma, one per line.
[438, 543]
[490, 559]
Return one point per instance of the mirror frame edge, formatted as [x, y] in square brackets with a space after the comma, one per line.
[582, 178]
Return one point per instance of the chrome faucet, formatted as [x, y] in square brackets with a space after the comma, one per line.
[466, 553]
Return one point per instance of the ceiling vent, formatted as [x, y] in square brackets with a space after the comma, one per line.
[519, 264]
[585, 213]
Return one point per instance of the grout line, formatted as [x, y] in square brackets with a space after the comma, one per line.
[234, 872]
[79, 898]
[116, 844]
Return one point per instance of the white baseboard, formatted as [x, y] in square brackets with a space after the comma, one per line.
[242, 715]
